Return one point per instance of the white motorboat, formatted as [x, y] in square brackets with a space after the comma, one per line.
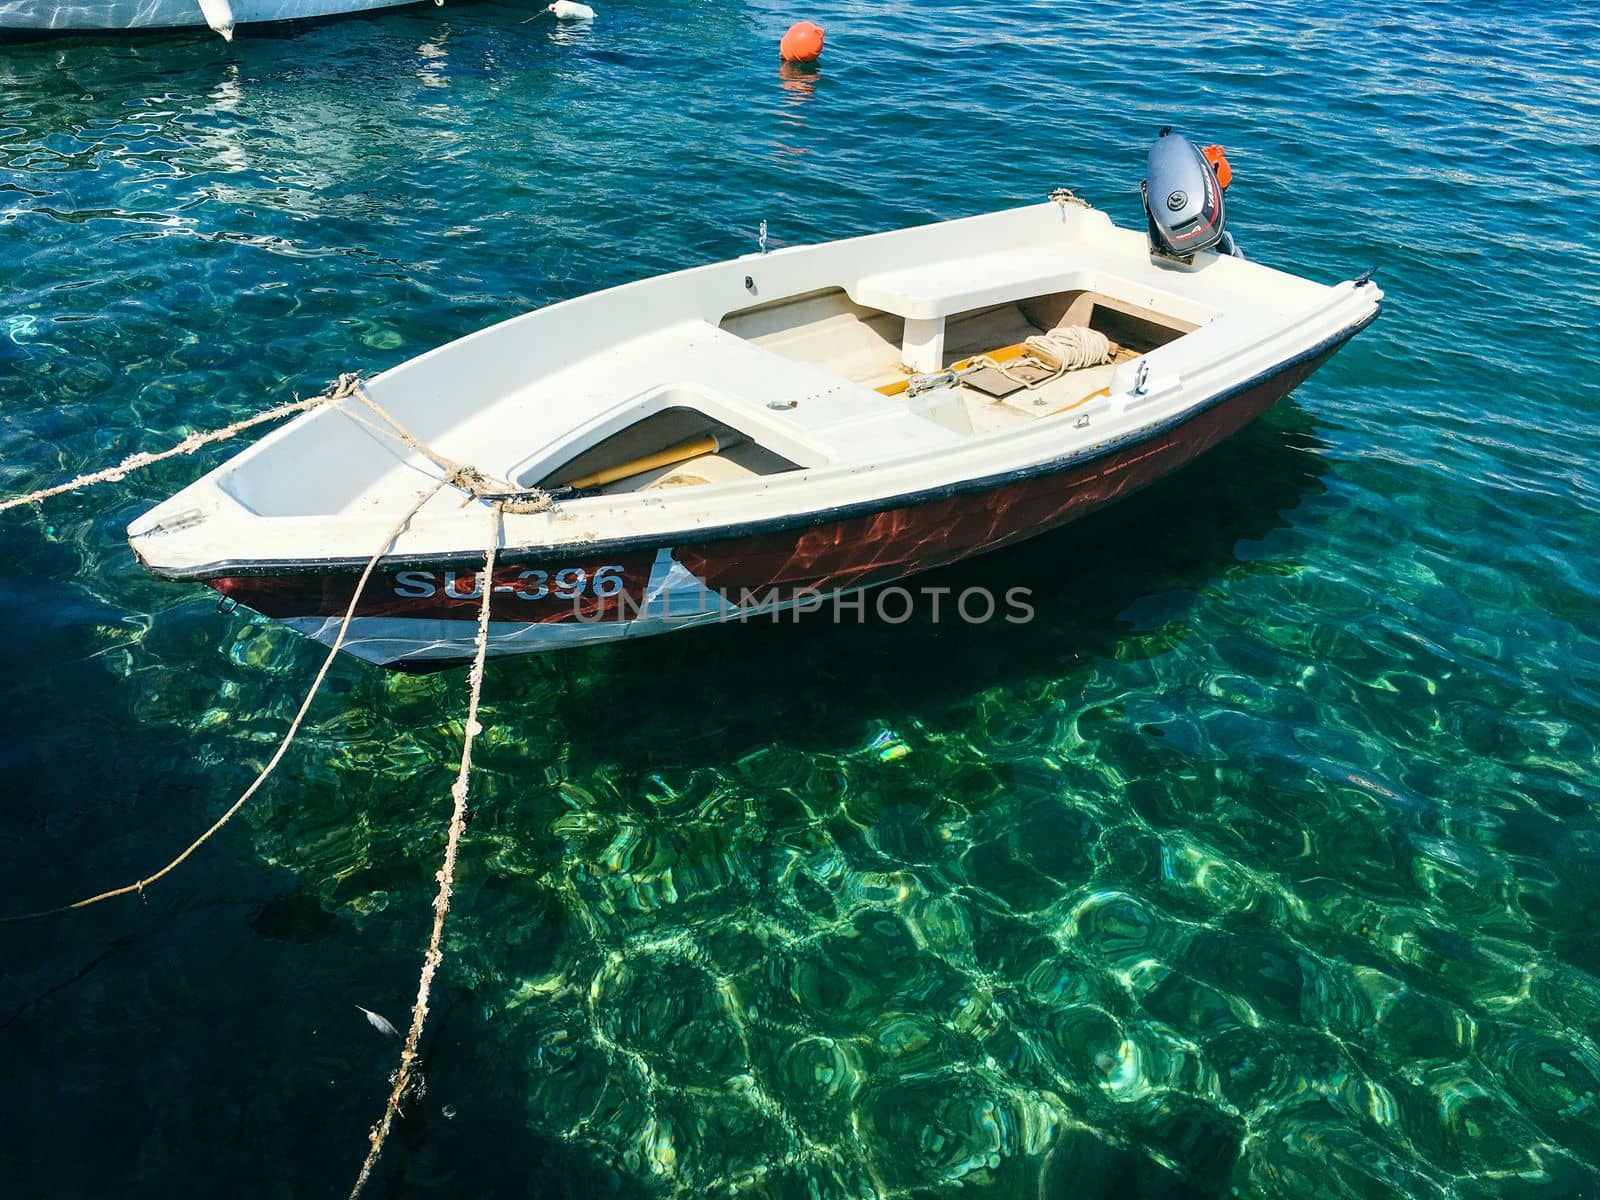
[754, 434]
[44, 16]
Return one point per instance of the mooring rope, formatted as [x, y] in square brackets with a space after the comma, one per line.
[503, 497]
[463, 476]
[341, 390]
[447, 872]
[283, 746]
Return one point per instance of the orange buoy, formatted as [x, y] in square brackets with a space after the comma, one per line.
[1218, 158]
[802, 44]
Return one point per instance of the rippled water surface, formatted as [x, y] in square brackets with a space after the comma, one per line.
[1263, 863]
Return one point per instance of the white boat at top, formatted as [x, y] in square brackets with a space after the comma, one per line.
[752, 435]
[222, 15]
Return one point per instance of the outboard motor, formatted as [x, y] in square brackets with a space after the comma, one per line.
[1183, 202]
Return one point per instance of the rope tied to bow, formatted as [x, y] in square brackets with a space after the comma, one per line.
[476, 483]
[464, 477]
[342, 390]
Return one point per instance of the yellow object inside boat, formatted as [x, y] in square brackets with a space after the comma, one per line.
[1004, 354]
[693, 448]
[1007, 354]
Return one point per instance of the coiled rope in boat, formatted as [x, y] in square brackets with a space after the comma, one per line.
[1059, 350]
[1072, 347]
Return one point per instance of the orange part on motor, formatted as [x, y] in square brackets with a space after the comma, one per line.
[1218, 158]
[802, 44]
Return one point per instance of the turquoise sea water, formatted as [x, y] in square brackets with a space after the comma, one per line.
[1264, 862]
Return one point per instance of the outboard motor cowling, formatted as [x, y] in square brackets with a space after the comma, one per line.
[1183, 202]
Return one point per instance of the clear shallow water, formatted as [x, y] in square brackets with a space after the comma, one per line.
[1263, 862]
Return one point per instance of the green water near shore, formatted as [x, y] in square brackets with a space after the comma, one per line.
[1262, 862]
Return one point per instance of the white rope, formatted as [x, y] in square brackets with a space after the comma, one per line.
[283, 746]
[401, 1079]
[1059, 350]
[463, 476]
[1073, 347]
[188, 446]
[467, 478]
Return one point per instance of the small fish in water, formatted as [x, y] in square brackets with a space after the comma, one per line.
[449, 1111]
[381, 1023]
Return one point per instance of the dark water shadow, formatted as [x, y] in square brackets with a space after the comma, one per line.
[709, 695]
[461, 1137]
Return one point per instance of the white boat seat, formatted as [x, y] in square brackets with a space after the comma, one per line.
[942, 289]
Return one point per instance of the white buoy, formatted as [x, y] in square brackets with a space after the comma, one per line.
[219, 15]
[568, 10]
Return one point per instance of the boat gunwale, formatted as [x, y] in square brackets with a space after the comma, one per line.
[520, 555]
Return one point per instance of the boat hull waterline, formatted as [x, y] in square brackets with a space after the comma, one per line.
[421, 614]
